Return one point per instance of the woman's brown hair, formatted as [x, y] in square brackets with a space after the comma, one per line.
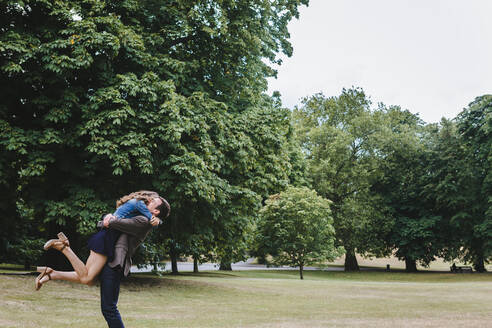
[144, 195]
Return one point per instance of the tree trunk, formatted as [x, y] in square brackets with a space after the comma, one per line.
[174, 259]
[195, 264]
[479, 265]
[261, 259]
[351, 261]
[300, 271]
[226, 266]
[410, 265]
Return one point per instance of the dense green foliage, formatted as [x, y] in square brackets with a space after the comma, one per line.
[463, 182]
[101, 98]
[296, 229]
[342, 138]
[399, 185]
[405, 187]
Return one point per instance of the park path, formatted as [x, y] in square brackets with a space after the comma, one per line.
[239, 266]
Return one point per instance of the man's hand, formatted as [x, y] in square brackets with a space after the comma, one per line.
[106, 220]
[155, 221]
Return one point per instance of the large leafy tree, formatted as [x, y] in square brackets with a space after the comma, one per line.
[435, 185]
[465, 184]
[296, 229]
[101, 98]
[341, 137]
[406, 186]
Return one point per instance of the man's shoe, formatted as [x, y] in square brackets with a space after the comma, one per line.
[58, 244]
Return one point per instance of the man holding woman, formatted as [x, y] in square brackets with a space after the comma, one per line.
[111, 249]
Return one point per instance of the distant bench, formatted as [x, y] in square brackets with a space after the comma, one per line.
[461, 268]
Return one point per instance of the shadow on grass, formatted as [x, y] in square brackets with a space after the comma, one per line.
[183, 282]
[361, 276]
[204, 274]
[16, 270]
[208, 274]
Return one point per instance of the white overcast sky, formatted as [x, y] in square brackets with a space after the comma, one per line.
[431, 57]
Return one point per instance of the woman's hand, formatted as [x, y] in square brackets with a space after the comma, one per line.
[155, 221]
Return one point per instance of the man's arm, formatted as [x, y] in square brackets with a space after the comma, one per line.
[154, 221]
[137, 226]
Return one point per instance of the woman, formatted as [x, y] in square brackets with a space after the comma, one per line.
[101, 245]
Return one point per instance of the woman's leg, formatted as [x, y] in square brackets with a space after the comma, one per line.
[84, 273]
[62, 275]
[89, 271]
[94, 265]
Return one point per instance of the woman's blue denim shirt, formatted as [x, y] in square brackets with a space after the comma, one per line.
[132, 208]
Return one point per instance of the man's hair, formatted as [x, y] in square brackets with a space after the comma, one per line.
[164, 208]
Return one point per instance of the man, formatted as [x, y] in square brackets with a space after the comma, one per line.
[135, 230]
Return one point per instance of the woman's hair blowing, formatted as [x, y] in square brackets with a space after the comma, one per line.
[147, 196]
[144, 195]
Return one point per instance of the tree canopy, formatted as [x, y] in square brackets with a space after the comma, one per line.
[102, 98]
[296, 229]
[341, 137]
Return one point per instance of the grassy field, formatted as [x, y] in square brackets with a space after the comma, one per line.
[259, 299]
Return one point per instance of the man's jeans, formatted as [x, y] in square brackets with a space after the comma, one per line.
[110, 290]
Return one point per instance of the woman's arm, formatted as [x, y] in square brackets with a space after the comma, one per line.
[142, 208]
[131, 208]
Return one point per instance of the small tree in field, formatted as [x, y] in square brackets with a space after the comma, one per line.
[296, 229]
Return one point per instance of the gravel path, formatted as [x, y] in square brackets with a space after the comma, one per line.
[239, 266]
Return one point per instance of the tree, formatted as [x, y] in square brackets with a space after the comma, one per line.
[340, 137]
[102, 98]
[295, 227]
[464, 151]
[418, 230]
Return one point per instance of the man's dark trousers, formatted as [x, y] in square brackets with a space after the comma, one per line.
[110, 289]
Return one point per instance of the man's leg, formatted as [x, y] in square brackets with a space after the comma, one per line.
[110, 290]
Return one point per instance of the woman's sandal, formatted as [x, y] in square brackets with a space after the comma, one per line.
[58, 244]
[45, 271]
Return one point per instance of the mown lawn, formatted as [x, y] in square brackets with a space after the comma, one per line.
[259, 299]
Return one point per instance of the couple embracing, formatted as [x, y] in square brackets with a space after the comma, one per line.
[111, 249]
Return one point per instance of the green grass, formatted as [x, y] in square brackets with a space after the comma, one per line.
[259, 299]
